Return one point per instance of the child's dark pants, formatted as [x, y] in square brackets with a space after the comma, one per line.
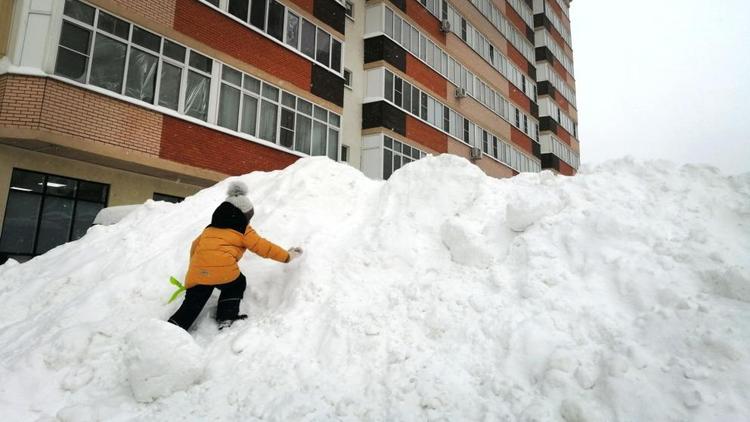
[197, 296]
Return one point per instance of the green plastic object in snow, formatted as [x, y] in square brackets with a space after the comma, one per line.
[180, 289]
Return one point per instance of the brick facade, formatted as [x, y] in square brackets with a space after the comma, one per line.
[200, 22]
[521, 140]
[161, 11]
[426, 21]
[22, 98]
[30, 102]
[426, 135]
[206, 148]
[420, 72]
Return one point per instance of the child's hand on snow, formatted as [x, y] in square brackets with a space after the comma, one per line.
[294, 253]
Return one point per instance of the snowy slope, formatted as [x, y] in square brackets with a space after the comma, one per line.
[619, 294]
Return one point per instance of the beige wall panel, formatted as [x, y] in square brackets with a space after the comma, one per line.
[125, 187]
[6, 13]
[479, 114]
[488, 165]
[464, 54]
[468, 11]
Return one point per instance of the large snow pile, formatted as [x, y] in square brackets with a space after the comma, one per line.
[619, 294]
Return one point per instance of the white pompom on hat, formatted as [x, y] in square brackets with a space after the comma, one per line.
[237, 196]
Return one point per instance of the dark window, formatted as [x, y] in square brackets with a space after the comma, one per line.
[229, 107]
[258, 14]
[336, 55]
[238, 8]
[200, 62]
[141, 82]
[518, 119]
[349, 12]
[73, 54]
[77, 10]
[415, 101]
[108, 63]
[397, 93]
[146, 39]
[113, 25]
[347, 77]
[287, 128]
[323, 48]
[167, 198]
[387, 163]
[423, 108]
[407, 96]
[276, 20]
[292, 30]
[196, 97]
[389, 86]
[45, 211]
[345, 153]
[525, 124]
[169, 91]
[174, 51]
[308, 39]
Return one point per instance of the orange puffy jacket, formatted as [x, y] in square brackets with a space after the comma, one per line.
[214, 255]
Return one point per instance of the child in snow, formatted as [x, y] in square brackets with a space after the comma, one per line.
[214, 256]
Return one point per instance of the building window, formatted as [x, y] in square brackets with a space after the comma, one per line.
[167, 198]
[348, 78]
[397, 154]
[259, 109]
[345, 153]
[279, 22]
[45, 211]
[99, 49]
[349, 9]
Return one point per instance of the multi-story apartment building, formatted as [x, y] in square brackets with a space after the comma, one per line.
[111, 102]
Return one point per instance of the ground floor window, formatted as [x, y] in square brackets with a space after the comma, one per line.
[397, 154]
[167, 198]
[44, 211]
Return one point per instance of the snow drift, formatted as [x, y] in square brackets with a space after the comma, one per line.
[619, 294]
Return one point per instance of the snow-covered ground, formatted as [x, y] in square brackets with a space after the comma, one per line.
[621, 294]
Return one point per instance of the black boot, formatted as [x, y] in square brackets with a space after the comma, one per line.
[228, 309]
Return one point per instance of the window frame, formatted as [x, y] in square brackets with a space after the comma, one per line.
[44, 194]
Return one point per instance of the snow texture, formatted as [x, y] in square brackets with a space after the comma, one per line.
[621, 294]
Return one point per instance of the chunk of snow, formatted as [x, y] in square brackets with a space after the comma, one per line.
[161, 359]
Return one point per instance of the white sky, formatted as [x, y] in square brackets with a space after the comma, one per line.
[664, 79]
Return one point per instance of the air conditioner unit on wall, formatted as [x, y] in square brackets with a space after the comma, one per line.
[445, 25]
[460, 92]
[476, 153]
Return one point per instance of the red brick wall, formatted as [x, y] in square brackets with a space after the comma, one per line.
[520, 99]
[425, 75]
[21, 100]
[426, 20]
[561, 71]
[552, 4]
[306, 5]
[521, 140]
[563, 134]
[210, 27]
[566, 170]
[515, 18]
[210, 149]
[517, 58]
[426, 135]
[563, 103]
[96, 117]
[161, 11]
[557, 37]
[39, 103]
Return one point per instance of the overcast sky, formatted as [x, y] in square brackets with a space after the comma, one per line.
[664, 79]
